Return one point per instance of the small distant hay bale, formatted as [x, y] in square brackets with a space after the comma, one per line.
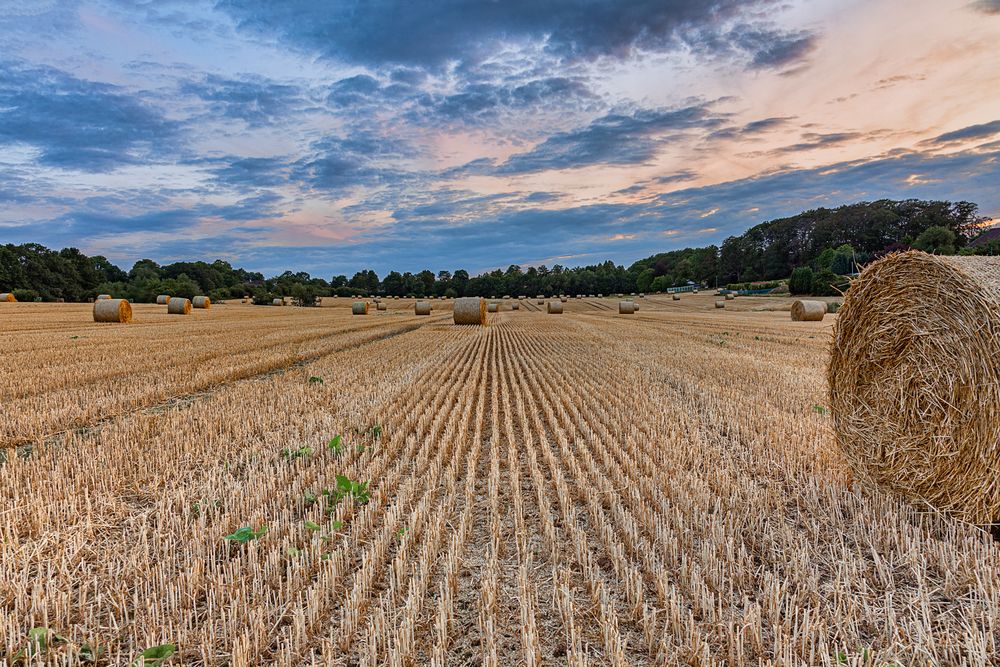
[113, 310]
[730, 296]
[642, 295]
[914, 381]
[8, 297]
[600, 296]
[579, 296]
[539, 301]
[515, 306]
[694, 291]
[492, 307]
[555, 307]
[720, 303]
[381, 305]
[562, 299]
[277, 302]
[626, 307]
[635, 306]
[808, 311]
[103, 297]
[359, 308]
[178, 306]
[162, 299]
[470, 310]
[676, 297]
[422, 308]
[202, 302]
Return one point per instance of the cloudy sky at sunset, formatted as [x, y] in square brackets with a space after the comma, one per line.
[330, 136]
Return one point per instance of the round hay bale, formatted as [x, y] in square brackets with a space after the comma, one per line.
[359, 308]
[694, 291]
[492, 307]
[642, 295]
[539, 301]
[635, 306]
[112, 310]
[721, 303]
[676, 297]
[381, 305]
[562, 299]
[555, 307]
[626, 307]
[103, 297]
[202, 302]
[422, 308]
[515, 306]
[277, 302]
[804, 310]
[8, 297]
[178, 306]
[470, 310]
[914, 381]
[730, 296]
[162, 299]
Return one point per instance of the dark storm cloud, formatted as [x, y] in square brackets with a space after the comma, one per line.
[614, 139]
[981, 131]
[79, 124]
[256, 100]
[432, 33]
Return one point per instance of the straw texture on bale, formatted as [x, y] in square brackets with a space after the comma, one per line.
[676, 297]
[112, 310]
[381, 305]
[162, 299]
[201, 302]
[804, 310]
[359, 308]
[470, 310]
[103, 296]
[915, 384]
[422, 308]
[8, 297]
[492, 307]
[626, 307]
[555, 307]
[179, 306]
[720, 303]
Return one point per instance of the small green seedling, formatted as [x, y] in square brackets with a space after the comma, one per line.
[245, 534]
[155, 655]
[819, 409]
[289, 454]
[356, 491]
[293, 552]
[39, 641]
[336, 525]
[90, 653]
[336, 445]
[312, 526]
[376, 431]
[314, 379]
[402, 532]
[361, 449]
[310, 497]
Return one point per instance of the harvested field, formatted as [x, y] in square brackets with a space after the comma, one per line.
[659, 489]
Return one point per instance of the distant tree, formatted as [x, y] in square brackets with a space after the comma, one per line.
[801, 281]
[937, 240]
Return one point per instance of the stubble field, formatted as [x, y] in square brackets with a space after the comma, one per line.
[576, 489]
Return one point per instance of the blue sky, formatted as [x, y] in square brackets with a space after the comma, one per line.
[407, 134]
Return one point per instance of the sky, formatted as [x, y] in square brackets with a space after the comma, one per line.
[330, 136]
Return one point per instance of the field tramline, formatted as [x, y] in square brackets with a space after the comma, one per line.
[588, 489]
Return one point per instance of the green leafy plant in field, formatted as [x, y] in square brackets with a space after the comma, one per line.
[347, 488]
[375, 432]
[310, 525]
[245, 534]
[155, 655]
[90, 653]
[401, 533]
[336, 445]
[315, 379]
[336, 525]
[39, 641]
[289, 454]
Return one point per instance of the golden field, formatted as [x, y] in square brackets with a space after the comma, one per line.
[588, 488]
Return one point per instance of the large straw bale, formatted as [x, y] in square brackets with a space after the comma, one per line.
[804, 310]
[626, 307]
[381, 305]
[112, 310]
[359, 308]
[178, 306]
[422, 308]
[915, 384]
[8, 297]
[492, 307]
[470, 310]
[676, 297]
[720, 303]
[202, 302]
[555, 307]
[162, 299]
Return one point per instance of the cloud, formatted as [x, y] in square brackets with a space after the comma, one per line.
[404, 32]
[251, 172]
[769, 48]
[987, 6]
[255, 100]
[79, 124]
[981, 131]
[613, 139]
[335, 164]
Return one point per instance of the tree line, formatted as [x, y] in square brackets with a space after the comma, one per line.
[816, 248]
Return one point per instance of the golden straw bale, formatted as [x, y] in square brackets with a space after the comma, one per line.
[470, 310]
[179, 306]
[720, 303]
[915, 384]
[103, 297]
[626, 307]
[555, 307]
[162, 299]
[492, 307]
[804, 310]
[359, 308]
[8, 297]
[202, 302]
[112, 310]
[422, 308]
